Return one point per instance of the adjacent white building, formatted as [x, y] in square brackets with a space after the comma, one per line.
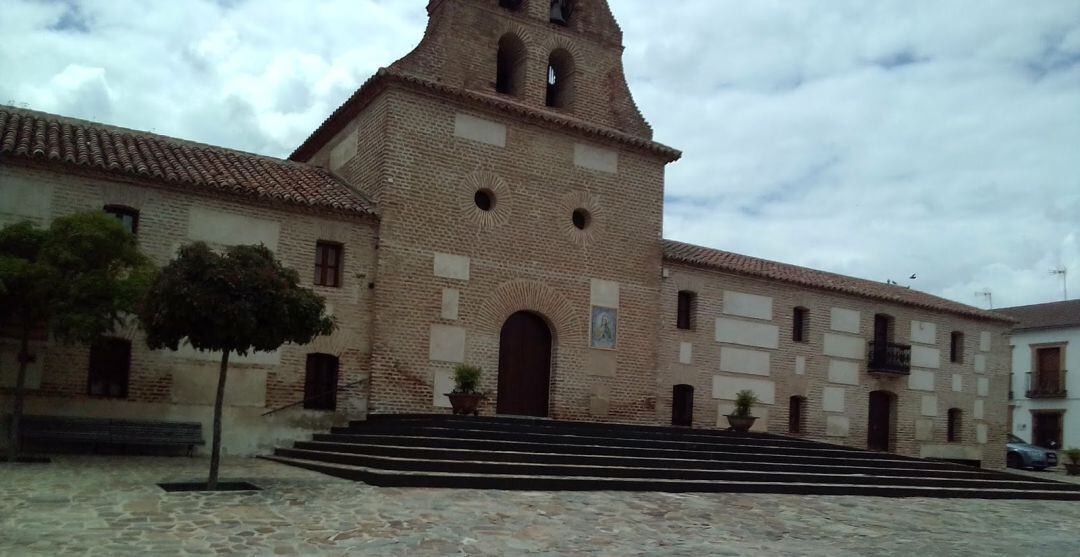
[1045, 400]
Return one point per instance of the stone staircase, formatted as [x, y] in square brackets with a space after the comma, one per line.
[527, 454]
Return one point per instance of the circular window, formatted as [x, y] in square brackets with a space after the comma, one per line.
[581, 218]
[484, 199]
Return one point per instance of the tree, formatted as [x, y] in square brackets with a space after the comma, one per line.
[240, 301]
[76, 280]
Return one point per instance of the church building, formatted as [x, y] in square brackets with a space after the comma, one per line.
[496, 198]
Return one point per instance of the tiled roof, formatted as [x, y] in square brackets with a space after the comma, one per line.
[1053, 315]
[742, 264]
[67, 142]
[359, 99]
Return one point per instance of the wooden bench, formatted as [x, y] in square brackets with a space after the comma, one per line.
[98, 431]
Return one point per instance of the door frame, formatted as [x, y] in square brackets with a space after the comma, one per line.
[893, 401]
[1060, 429]
[552, 343]
[675, 390]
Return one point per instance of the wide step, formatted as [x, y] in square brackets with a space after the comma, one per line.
[512, 454]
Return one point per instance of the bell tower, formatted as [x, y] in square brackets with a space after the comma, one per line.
[518, 191]
[563, 56]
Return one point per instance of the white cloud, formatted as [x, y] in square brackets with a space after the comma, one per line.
[875, 139]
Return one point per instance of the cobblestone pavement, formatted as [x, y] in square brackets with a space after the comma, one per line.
[111, 506]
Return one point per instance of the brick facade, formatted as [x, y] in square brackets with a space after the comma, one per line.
[180, 385]
[431, 283]
[811, 378]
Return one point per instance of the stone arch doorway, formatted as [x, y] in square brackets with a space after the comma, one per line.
[881, 422]
[524, 366]
[682, 405]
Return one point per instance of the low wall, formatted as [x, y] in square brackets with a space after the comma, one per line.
[245, 431]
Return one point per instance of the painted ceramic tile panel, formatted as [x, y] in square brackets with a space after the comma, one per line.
[605, 327]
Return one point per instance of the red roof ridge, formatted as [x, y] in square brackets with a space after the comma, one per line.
[61, 119]
[744, 264]
[64, 140]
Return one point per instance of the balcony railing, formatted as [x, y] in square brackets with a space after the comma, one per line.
[890, 358]
[1046, 384]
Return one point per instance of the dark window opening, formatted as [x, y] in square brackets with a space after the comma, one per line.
[128, 217]
[796, 414]
[510, 65]
[110, 368]
[956, 348]
[484, 200]
[800, 326]
[512, 5]
[561, 11]
[1046, 429]
[883, 329]
[559, 79]
[320, 382]
[954, 425]
[687, 305]
[682, 405]
[580, 218]
[328, 264]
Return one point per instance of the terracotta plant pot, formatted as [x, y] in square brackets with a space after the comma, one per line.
[1072, 469]
[465, 404]
[740, 424]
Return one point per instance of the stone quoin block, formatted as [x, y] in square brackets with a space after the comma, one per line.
[738, 360]
[747, 333]
[478, 129]
[748, 305]
[596, 158]
[843, 346]
[844, 320]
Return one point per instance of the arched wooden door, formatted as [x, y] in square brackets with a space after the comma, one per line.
[879, 428]
[682, 405]
[524, 366]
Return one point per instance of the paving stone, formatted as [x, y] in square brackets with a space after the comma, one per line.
[120, 511]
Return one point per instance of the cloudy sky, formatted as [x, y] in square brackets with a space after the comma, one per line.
[876, 139]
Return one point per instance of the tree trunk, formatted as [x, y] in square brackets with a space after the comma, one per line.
[20, 386]
[219, 401]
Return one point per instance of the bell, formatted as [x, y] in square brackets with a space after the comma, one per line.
[558, 12]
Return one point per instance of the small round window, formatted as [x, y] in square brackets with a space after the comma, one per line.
[484, 199]
[581, 219]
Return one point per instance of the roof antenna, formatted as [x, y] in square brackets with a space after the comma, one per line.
[1064, 272]
[986, 293]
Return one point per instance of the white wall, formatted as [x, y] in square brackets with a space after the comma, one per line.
[1021, 365]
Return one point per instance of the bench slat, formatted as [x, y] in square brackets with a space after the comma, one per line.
[110, 431]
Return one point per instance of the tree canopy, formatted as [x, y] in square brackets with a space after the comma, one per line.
[79, 279]
[242, 300]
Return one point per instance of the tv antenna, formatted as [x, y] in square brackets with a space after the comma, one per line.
[986, 293]
[1064, 273]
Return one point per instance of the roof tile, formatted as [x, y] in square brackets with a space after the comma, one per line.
[66, 141]
[1046, 316]
[803, 276]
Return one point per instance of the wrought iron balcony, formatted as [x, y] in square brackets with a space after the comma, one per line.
[889, 358]
[1046, 384]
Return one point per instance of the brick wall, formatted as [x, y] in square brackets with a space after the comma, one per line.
[162, 384]
[705, 366]
[427, 209]
[460, 46]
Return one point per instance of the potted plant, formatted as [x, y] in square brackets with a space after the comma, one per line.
[465, 398]
[740, 420]
[1072, 467]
